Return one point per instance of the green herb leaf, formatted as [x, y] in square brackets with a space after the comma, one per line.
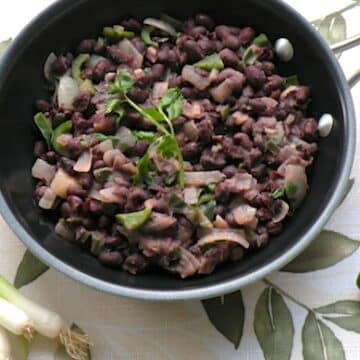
[62, 129]
[29, 269]
[45, 127]
[167, 146]
[117, 33]
[135, 220]
[273, 325]
[319, 342]
[123, 83]
[146, 38]
[171, 179]
[291, 80]
[77, 64]
[206, 198]
[208, 209]
[116, 106]
[250, 56]
[177, 24]
[227, 314]
[347, 314]
[103, 174]
[172, 103]
[142, 176]
[176, 203]
[326, 250]
[154, 114]
[210, 62]
[278, 193]
[148, 136]
[4, 44]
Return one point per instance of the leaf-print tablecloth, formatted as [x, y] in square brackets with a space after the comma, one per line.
[289, 315]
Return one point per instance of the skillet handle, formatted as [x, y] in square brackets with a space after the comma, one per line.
[347, 44]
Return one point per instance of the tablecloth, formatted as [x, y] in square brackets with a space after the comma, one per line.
[127, 329]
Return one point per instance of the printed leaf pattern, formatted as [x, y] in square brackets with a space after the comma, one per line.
[273, 325]
[319, 342]
[326, 250]
[30, 269]
[227, 314]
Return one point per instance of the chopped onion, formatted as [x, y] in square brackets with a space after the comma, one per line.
[159, 222]
[162, 25]
[190, 75]
[68, 90]
[288, 91]
[222, 92]
[104, 146]
[47, 201]
[193, 110]
[243, 181]
[5, 347]
[191, 195]
[282, 212]
[244, 214]
[199, 178]
[231, 235]
[126, 138]
[43, 171]
[159, 90]
[108, 195]
[296, 175]
[127, 48]
[115, 158]
[84, 162]
[48, 66]
[188, 264]
[94, 60]
[191, 130]
[95, 194]
[14, 319]
[62, 183]
[220, 223]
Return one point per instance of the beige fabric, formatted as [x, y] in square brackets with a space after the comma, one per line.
[133, 330]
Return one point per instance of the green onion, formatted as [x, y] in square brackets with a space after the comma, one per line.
[23, 312]
[134, 221]
[290, 189]
[210, 62]
[146, 37]
[261, 41]
[45, 127]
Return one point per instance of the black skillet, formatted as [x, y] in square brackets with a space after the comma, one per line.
[59, 28]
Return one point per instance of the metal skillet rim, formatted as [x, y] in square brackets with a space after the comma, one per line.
[228, 286]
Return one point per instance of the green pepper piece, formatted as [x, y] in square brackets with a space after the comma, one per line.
[262, 41]
[210, 62]
[278, 193]
[291, 80]
[250, 56]
[205, 198]
[87, 86]
[45, 127]
[225, 112]
[102, 174]
[116, 33]
[97, 242]
[135, 220]
[146, 38]
[62, 129]
[77, 65]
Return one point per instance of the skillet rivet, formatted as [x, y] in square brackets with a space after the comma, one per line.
[326, 123]
[284, 49]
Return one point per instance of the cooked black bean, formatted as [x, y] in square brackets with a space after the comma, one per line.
[205, 20]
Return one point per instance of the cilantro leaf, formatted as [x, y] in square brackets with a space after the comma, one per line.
[167, 146]
[148, 136]
[123, 83]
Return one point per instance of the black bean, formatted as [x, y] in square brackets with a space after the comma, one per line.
[259, 171]
[243, 140]
[230, 170]
[131, 25]
[81, 102]
[113, 259]
[192, 50]
[273, 228]
[60, 65]
[43, 106]
[139, 45]
[207, 46]
[229, 57]
[197, 31]
[101, 68]
[104, 123]
[157, 72]
[86, 46]
[246, 35]
[231, 41]
[205, 20]
[191, 150]
[188, 25]
[138, 95]
[212, 160]
[255, 76]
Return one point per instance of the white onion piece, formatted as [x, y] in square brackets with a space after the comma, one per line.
[64, 231]
[43, 171]
[127, 139]
[281, 215]
[288, 91]
[190, 75]
[159, 90]
[193, 110]
[199, 178]
[94, 194]
[84, 162]
[220, 223]
[48, 199]
[62, 183]
[191, 195]
[104, 146]
[162, 25]
[244, 214]
[48, 66]
[222, 92]
[94, 60]
[126, 47]
[231, 235]
[68, 90]
[129, 168]
[108, 195]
